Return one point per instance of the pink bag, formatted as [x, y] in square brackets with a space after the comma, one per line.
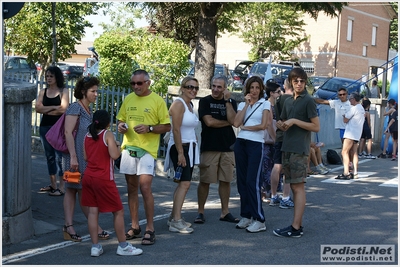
[55, 136]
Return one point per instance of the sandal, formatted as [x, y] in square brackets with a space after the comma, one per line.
[149, 240]
[47, 188]
[103, 235]
[229, 218]
[311, 172]
[70, 237]
[200, 218]
[135, 233]
[56, 192]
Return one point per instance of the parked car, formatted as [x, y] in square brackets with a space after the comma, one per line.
[279, 71]
[242, 69]
[71, 72]
[317, 81]
[219, 69]
[19, 65]
[329, 89]
[234, 81]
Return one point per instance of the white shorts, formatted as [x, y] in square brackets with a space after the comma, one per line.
[138, 166]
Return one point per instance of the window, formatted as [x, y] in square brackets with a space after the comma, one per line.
[364, 51]
[374, 30]
[308, 66]
[350, 29]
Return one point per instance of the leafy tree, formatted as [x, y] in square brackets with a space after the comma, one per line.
[30, 31]
[271, 28]
[123, 52]
[394, 33]
[213, 17]
[122, 17]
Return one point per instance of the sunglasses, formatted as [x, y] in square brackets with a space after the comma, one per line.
[138, 83]
[342, 94]
[299, 81]
[278, 92]
[86, 79]
[191, 87]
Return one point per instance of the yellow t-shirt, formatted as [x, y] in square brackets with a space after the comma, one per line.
[148, 110]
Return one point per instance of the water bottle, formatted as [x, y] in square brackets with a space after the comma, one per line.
[178, 173]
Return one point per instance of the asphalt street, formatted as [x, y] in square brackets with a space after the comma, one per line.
[355, 212]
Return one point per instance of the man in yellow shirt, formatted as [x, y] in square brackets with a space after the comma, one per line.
[143, 116]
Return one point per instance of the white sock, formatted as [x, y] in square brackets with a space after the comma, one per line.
[286, 198]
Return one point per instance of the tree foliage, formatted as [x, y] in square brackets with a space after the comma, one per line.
[272, 29]
[394, 33]
[30, 31]
[123, 52]
[206, 20]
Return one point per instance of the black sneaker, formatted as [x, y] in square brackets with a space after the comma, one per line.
[382, 156]
[288, 232]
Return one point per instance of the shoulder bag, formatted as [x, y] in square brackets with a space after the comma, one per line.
[56, 137]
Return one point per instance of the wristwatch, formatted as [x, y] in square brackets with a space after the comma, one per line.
[150, 128]
[229, 100]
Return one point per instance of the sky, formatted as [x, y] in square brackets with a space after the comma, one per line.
[96, 19]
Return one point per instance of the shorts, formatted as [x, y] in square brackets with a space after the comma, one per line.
[394, 135]
[187, 171]
[101, 193]
[216, 166]
[138, 166]
[341, 132]
[366, 133]
[278, 153]
[294, 167]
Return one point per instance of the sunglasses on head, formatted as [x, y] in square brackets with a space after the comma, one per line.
[191, 87]
[138, 83]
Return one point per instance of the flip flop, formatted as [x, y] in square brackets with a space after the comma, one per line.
[200, 218]
[47, 188]
[56, 192]
[229, 218]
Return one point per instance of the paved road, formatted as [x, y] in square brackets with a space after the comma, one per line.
[359, 212]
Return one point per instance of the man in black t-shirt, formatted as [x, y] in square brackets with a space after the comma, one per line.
[216, 112]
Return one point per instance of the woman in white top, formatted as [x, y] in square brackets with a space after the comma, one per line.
[253, 118]
[182, 149]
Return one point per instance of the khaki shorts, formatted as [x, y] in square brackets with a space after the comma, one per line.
[294, 167]
[216, 166]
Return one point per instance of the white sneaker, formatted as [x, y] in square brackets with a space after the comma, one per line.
[129, 250]
[179, 226]
[244, 223]
[95, 252]
[321, 170]
[256, 227]
[188, 224]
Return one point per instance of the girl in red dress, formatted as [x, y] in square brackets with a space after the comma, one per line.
[99, 191]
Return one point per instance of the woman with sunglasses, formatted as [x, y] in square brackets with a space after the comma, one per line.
[78, 113]
[183, 150]
[253, 117]
[52, 103]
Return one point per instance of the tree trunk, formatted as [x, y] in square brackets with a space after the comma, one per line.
[205, 45]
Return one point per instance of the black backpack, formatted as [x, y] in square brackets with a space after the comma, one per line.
[333, 157]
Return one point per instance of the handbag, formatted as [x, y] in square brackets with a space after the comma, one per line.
[56, 137]
[72, 177]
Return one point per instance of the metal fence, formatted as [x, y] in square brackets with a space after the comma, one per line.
[109, 98]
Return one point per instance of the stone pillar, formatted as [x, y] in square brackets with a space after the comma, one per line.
[17, 213]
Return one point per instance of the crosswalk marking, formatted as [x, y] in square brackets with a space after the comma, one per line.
[391, 183]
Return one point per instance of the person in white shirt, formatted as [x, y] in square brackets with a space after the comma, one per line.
[354, 119]
[341, 106]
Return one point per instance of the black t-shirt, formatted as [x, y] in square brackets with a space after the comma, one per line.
[215, 139]
[393, 127]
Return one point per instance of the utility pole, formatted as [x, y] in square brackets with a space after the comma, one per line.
[53, 18]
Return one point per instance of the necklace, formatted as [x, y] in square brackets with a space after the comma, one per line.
[83, 105]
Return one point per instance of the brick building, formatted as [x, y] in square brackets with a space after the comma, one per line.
[351, 45]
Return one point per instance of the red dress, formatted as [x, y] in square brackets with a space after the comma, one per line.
[98, 185]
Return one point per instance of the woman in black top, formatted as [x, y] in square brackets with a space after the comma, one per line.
[52, 103]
